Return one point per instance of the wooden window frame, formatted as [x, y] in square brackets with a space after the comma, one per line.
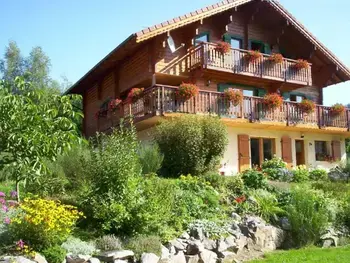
[261, 147]
[228, 37]
[328, 149]
[207, 33]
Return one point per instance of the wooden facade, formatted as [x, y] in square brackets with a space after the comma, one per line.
[145, 60]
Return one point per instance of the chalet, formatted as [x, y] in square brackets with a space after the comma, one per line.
[269, 52]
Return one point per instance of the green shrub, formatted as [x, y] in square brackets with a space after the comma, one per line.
[254, 179]
[150, 158]
[191, 144]
[75, 246]
[144, 244]
[309, 213]
[55, 254]
[225, 184]
[274, 163]
[211, 229]
[300, 174]
[108, 243]
[318, 175]
[268, 206]
[115, 173]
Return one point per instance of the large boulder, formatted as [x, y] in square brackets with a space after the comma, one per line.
[20, 259]
[209, 244]
[113, 256]
[178, 244]
[94, 260]
[207, 256]
[330, 238]
[194, 247]
[39, 258]
[149, 258]
[192, 258]
[77, 258]
[178, 258]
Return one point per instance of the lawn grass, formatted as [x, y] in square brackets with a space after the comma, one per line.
[308, 255]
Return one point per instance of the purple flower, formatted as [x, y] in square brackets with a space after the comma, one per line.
[20, 243]
[2, 201]
[7, 221]
[5, 208]
[13, 194]
[2, 194]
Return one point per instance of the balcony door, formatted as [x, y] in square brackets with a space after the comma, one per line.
[299, 152]
[261, 149]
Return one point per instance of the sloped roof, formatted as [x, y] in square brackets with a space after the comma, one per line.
[150, 32]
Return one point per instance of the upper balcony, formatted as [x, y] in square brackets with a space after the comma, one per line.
[161, 100]
[207, 57]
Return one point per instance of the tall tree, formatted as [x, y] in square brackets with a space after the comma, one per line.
[12, 65]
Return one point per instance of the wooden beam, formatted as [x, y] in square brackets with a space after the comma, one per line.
[116, 83]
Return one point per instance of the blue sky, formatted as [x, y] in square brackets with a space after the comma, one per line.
[77, 34]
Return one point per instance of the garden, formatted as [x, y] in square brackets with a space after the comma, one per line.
[115, 199]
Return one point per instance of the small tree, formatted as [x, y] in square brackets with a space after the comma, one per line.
[191, 144]
[34, 130]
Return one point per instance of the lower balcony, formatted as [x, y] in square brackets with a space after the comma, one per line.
[161, 100]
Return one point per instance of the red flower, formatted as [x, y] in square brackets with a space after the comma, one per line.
[135, 94]
[187, 91]
[240, 199]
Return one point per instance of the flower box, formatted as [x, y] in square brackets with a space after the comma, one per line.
[273, 100]
[276, 58]
[301, 64]
[338, 109]
[223, 47]
[135, 94]
[253, 56]
[235, 96]
[307, 106]
[187, 91]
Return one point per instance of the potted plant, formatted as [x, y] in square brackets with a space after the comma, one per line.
[135, 94]
[273, 100]
[235, 96]
[187, 91]
[276, 58]
[253, 56]
[114, 104]
[301, 64]
[223, 47]
[338, 109]
[307, 106]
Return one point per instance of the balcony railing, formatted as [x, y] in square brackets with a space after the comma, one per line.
[205, 55]
[160, 100]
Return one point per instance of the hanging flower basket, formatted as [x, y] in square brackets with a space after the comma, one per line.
[223, 47]
[307, 106]
[276, 58]
[114, 105]
[301, 64]
[135, 94]
[338, 109]
[253, 56]
[187, 91]
[235, 96]
[273, 100]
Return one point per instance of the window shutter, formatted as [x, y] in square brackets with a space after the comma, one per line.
[287, 150]
[223, 86]
[267, 48]
[286, 96]
[227, 38]
[262, 92]
[336, 152]
[243, 152]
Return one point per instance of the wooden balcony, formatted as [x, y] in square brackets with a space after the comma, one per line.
[161, 100]
[207, 57]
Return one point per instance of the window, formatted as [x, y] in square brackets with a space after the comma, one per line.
[321, 150]
[255, 45]
[204, 37]
[297, 98]
[261, 149]
[236, 43]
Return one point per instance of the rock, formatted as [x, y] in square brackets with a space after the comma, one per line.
[197, 233]
[178, 245]
[285, 224]
[149, 258]
[241, 243]
[236, 217]
[178, 258]
[221, 245]
[77, 258]
[165, 254]
[230, 242]
[227, 257]
[120, 261]
[192, 258]
[185, 235]
[330, 238]
[208, 256]
[194, 247]
[19, 259]
[327, 243]
[209, 244]
[39, 258]
[113, 256]
[94, 260]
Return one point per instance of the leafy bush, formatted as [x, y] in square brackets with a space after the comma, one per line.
[318, 175]
[211, 229]
[309, 213]
[191, 144]
[150, 158]
[144, 244]
[274, 168]
[268, 206]
[225, 184]
[75, 246]
[254, 179]
[108, 243]
[115, 172]
[43, 223]
[54, 254]
[300, 174]
[286, 175]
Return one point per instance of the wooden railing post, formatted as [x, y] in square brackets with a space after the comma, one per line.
[158, 100]
[320, 123]
[348, 119]
[163, 100]
[210, 110]
[287, 112]
[251, 109]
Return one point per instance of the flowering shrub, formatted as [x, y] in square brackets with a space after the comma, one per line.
[301, 64]
[274, 168]
[307, 106]
[187, 91]
[8, 210]
[273, 100]
[276, 58]
[319, 175]
[254, 179]
[234, 95]
[135, 94]
[338, 109]
[300, 174]
[223, 47]
[43, 223]
[111, 105]
[253, 55]
[114, 104]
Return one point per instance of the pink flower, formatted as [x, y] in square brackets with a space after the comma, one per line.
[7, 221]
[12, 203]
[13, 194]
[5, 208]
[20, 243]
[2, 194]
[2, 201]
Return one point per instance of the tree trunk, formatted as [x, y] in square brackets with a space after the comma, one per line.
[17, 190]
